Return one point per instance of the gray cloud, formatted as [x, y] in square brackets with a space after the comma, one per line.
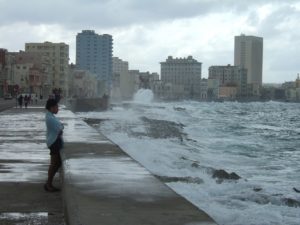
[113, 13]
[135, 25]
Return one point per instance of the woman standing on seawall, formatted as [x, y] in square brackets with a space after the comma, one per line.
[54, 142]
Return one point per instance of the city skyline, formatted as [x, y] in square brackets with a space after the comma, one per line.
[146, 33]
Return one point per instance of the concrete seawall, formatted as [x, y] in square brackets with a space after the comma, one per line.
[101, 184]
[87, 104]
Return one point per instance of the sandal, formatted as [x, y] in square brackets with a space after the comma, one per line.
[51, 189]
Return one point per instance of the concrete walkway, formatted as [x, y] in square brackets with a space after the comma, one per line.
[101, 184]
[24, 161]
[6, 104]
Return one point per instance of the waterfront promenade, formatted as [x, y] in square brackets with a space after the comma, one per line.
[101, 184]
[23, 170]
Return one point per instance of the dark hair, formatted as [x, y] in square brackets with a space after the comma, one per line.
[50, 103]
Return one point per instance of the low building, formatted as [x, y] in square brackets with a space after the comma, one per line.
[56, 57]
[147, 79]
[82, 84]
[231, 76]
[184, 72]
[228, 92]
[212, 88]
[167, 91]
[203, 89]
[123, 82]
[292, 90]
[25, 72]
[2, 71]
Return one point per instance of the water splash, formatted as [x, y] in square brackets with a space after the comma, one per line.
[144, 96]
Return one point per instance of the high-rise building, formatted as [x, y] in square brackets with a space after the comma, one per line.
[248, 54]
[184, 72]
[56, 57]
[94, 53]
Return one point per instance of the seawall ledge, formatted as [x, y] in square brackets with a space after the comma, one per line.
[104, 185]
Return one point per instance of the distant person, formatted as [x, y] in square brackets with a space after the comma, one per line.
[26, 100]
[36, 99]
[54, 142]
[20, 100]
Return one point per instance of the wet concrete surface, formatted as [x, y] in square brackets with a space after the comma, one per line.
[6, 104]
[24, 160]
[28, 203]
[101, 184]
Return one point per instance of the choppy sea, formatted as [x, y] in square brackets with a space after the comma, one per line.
[196, 147]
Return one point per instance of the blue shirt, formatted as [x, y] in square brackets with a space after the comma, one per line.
[54, 128]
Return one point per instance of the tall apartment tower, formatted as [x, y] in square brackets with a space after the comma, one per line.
[248, 54]
[56, 59]
[94, 54]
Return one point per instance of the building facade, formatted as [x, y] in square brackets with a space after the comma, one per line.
[94, 54]
[30, 73]
[185, 72]
[2, 72]
[248, 54]
[233, 76]
[123, 82]
[56, 59]
[82, 84]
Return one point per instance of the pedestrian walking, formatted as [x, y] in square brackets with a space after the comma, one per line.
[20, 100]
[26, 100]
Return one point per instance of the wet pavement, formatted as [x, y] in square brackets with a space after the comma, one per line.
[101, 184]
[6, 104]
[24, 160]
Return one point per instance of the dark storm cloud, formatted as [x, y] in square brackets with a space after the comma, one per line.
[112, 13]
[97, 13]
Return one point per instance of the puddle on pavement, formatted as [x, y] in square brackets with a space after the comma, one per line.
[37, 218]
[24, 218]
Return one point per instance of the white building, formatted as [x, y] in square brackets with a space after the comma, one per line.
[185, 72]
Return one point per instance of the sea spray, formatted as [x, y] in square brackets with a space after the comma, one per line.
[257, 141]
[144, 96]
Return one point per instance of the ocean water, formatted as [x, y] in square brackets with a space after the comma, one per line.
[185, 143]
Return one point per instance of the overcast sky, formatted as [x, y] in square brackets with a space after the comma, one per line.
[145, 32]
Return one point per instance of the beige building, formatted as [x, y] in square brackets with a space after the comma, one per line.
[227, 92]
[292, 90]
[123, 82]
[82, 84]
[26, 73]
[230, 76]
[184, 72]
[56, 57]
[248, 54]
